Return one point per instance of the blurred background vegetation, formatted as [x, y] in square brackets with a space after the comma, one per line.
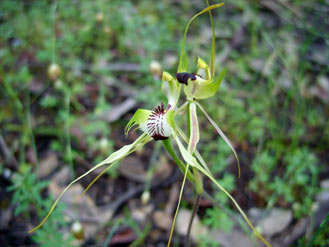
[61, 119]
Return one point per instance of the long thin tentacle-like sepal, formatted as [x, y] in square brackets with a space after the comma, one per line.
[220, 132]
[189, 158]
[181, 66]
[114, 157]
[212, 56]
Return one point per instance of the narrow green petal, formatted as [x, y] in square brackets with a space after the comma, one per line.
[212, 55]
[136, 145]
[194, 128]
[186, 155]
[220, 132]
[189, 159]
[121, 153]
[95, 179]
[210, 176]
[196, 152]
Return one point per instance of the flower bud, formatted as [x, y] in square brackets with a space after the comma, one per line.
[99, 17]
[77, 230]
[107, 30]
[145, 197]
[156, 69]
[104, 145]
[54, 71]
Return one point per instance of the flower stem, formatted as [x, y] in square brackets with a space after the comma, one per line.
[168, 146]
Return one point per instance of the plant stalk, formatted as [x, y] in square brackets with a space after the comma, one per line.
[168, 146]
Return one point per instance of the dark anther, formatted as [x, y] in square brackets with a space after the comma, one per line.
[183, 77]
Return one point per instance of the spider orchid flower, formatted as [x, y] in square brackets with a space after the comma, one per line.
[159, 125]
[201, 85]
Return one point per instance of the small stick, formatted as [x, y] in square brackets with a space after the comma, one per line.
[195, 209]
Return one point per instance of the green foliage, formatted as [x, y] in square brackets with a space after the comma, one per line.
[322, 240]
[298, 184]
[26, 194]
[50, 235]
[216, 218]
[26, 190]
[205, 241]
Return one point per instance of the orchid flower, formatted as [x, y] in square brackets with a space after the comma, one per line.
[159, 125]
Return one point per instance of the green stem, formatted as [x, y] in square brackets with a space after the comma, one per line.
[168, 146]
[198, 183]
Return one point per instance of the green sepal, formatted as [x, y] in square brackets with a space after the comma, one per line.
[182, 66]
[111, 160]
[203, 89]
